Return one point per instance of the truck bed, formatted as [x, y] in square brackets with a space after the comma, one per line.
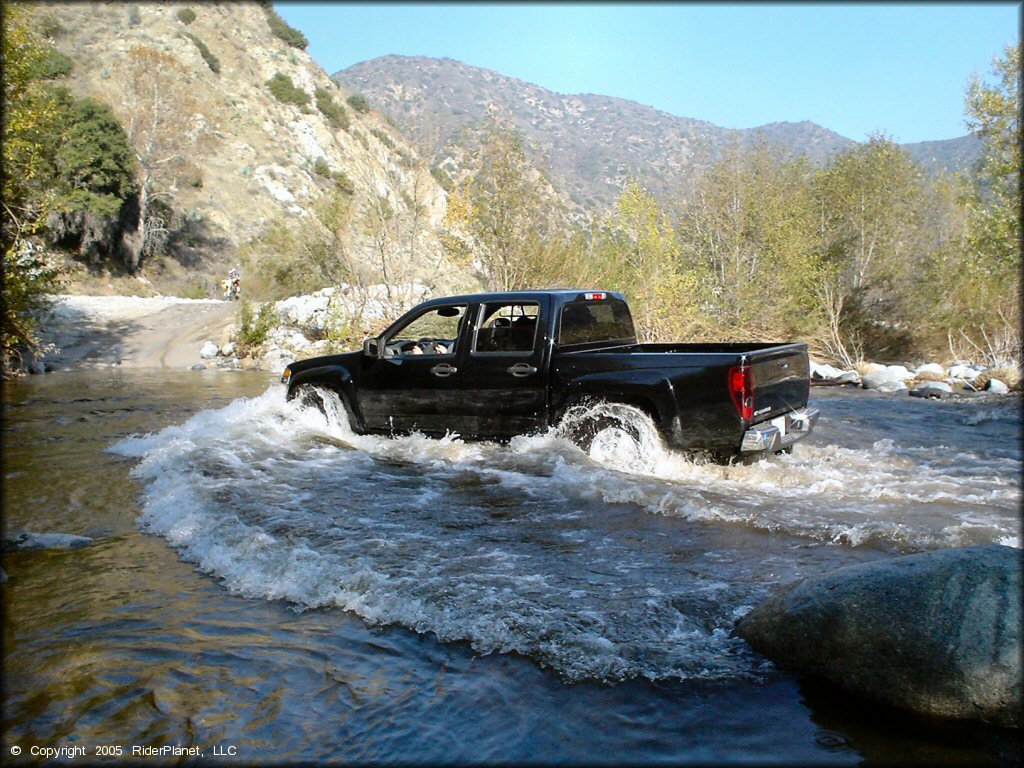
[691, 382]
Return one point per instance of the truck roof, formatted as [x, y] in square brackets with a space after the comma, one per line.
[560, 294]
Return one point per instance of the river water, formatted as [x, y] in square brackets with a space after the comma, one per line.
[265, 586]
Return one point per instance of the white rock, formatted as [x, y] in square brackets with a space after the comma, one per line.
[289, 338]
[899, 371]
[275, 361]
[885, 377]
[965, 372]
[300, 310]
[209, 350]
[936, 389]
[996, 387]
[824, 371]
[932, 368]
[891, 386]
[228, 349]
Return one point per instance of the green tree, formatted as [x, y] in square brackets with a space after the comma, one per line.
[94, 162]
[639, 253]
[871, 202]
[29, 112]
[993, 115]
[988, 293]
[748, 234]
[507, 212]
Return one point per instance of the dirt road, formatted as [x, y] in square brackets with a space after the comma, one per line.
[133, 332]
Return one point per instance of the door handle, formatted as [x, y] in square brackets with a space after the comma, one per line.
[522, 369]
[443, 369]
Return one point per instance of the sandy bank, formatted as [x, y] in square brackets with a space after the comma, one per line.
[131, 331]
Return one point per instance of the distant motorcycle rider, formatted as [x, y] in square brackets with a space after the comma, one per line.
[232, 286]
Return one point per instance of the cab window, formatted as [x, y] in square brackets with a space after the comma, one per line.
[507, 328]
[585, 322]
[434, 332]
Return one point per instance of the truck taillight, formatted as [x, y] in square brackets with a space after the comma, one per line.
[595, 296]
[741, 387]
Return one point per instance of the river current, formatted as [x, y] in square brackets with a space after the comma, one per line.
[262, 579]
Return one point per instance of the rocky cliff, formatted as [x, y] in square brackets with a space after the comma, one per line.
[265, 132]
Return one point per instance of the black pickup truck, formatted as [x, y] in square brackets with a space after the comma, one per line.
[496, 365]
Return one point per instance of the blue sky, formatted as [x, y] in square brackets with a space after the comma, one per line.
[900, 69]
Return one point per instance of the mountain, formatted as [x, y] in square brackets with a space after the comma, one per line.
[592, 144]
[277, 134]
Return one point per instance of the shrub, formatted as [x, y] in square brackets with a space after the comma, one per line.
[29, 278]
[321, 168]
[254, 327]
[442, 178]
[54, 64]
[186, 16]
[334, 112]
[344, 182]
[282, 29]
[358, 103]
[285, 91]
[211, 61]
[50, 27]
[383, 138]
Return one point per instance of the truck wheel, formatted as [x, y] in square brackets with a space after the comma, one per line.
[584, 424]
[310, 396]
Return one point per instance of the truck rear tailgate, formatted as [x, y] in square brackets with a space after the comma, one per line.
[781, 378]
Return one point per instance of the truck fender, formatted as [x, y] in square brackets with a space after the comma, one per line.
[337, 379]
[592, 389]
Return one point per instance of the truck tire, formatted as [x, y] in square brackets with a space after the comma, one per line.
[309, 396]
[583, 423]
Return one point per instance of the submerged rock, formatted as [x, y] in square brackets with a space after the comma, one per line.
[937, 632]
[26, 542]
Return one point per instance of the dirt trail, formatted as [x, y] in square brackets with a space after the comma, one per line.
[130, 332]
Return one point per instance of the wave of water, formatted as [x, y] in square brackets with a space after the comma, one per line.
[631, 561]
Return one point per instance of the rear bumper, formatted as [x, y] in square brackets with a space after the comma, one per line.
[779, 433]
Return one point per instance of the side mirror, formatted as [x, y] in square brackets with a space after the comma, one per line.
[371, 347]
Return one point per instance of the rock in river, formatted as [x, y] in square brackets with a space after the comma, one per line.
[27, 541]
[933, 389]
[936, 632]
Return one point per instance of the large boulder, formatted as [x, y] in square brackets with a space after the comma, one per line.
[888, 379]
[937, 632]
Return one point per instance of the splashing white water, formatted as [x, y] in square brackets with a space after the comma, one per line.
[536, 547]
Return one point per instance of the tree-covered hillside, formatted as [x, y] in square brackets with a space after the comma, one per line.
[591, 145]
